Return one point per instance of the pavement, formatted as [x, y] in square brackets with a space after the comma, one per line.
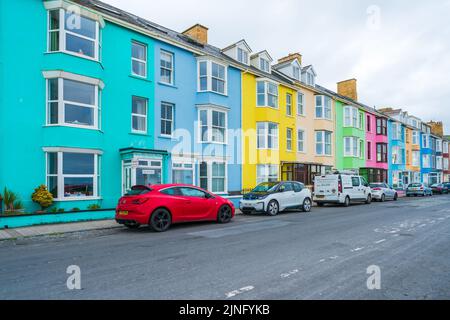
[325, 254]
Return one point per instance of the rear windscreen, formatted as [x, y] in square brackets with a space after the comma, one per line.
[137, 190]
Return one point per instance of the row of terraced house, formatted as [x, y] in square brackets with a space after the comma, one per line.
[94, 100]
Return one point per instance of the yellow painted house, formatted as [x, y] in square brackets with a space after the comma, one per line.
[282, 136]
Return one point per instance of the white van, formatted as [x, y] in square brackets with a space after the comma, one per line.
[341, 188]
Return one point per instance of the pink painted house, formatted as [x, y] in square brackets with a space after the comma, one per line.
[376, 169]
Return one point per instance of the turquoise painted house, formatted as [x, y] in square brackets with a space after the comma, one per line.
[97, 100]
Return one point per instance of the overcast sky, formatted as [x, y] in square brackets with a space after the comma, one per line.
[398, 50]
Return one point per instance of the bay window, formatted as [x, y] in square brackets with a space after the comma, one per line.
[212, 125]
[397, 155]
[73, 33]
[267, 94]
[397, 131]
[323, 107]
[416, 158]
[351, 117]
[266, 173]
[382, 153]
[352, 147]
[267, 135]
[323, 143]
[72, 174]
[212, 76]
[382, 126]
[426, 161]
[72, 103]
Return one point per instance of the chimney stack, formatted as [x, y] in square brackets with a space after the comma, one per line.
[198, 33]
[291, 57]
[348, 88]
[437, 128]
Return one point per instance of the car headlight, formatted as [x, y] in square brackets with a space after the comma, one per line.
[262, 197]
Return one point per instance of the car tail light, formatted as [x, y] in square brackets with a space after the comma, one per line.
[139, 201]
[376, 189]
[340, 186]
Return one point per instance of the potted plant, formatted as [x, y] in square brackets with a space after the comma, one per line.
[42, 197]
[11, 200]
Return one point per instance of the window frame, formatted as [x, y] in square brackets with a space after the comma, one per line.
[381, 124]
[171, 71]
[268, 136]
[266, 94]
[263, 63]
[139, 115]
[323, 142]
[62, 103]
[209, 117]
[324, 107]
[143, 45]
[172, 121]
[382, 155]
[60, 175]
[62, 35]
[354, 146]
[289, 139]
[209, 175]
[268, 173]
[301, 104]
[209, 76]
[303, 141]
[289, 104]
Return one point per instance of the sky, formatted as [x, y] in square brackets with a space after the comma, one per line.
[399, 51]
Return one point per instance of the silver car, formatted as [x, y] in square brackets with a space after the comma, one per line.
[382, 192]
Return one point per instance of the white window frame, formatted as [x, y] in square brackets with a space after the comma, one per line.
[351, 117]
[266, 94]
[171, 70]
[289, 139]
[184, 164]
[133, 42]
[209, 113]
[139, 116]
[324, 133]
[416, 158]
[301, 104]
[445, 164]
[426, 161]
[245, 55]
[263, 63]
[209, 177]
[323, 107]
[416, 137]
[289, 104]
[296, 72]
[209, 76]
[397, 155]
[438, 145]
[445, 146]
[267, 173]
[354, 144]
[172, 121]
[267, 136]
[60, 175]
[61, 102]
[303, 141]
[62, 35]
[439, 162]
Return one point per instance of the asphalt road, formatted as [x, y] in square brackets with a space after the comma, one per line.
[320, 255]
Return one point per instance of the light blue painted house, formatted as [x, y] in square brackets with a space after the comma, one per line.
[98, 100]
[396, 153]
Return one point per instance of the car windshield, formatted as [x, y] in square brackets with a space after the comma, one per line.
[435, 185]
[266, 187]
[377, 185]
[415, 185]
[138, 190]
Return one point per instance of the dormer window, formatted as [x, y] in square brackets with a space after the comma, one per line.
[242, 56]
[264, 65]
[310, 79]
[296, 72]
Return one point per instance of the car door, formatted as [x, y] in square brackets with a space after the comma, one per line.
[356, 192]
[285, 195]
[390, 191]
[197, 203]
[299, 194]
[176, 203]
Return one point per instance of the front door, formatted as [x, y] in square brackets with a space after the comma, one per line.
[140, 172]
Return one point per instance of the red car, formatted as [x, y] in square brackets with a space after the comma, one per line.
[161, 205]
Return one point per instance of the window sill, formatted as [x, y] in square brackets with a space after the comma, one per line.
[326, 119]
[324, 155]
[301, 115]
[170, 85]
[137, 133]
[140, 78]
[213, 142]
[163, 136]
[78, 199]
[274, 108]
[74, 55]
[210, 91]
[71, 126]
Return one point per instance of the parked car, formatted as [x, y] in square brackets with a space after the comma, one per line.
[439, 188]
[418, 189]
[274, 197]
[382, 192]
[159, 206]
[447, 184]
[341, 188]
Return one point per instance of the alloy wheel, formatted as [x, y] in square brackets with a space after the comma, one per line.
[161, 220]
[307, 205]
[224, 214]
[273, 208]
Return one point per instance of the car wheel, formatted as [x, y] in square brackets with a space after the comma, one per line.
[396, 197]
[369, 199]
[383, 198]
[273, 208]
[347, 202]
[224, 215]
[132, 225]
[306, 207]
[160, 220]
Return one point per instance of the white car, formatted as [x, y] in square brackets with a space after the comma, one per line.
[382, 192]
[341, 188]
[274, 197]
